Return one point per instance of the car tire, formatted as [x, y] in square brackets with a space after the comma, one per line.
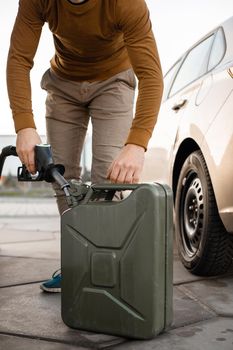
[204, 246]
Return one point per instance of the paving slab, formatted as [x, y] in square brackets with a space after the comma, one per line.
[181, 274]
[23, 270]
[26, 311]
[40, 249]
[18, 207]
[188, 310]
[10, 342]
[39, 224]
[41, 317]
[21, 236]
[214, 334]
[216, 293]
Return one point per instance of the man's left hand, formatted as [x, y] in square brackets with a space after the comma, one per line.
[128, 165]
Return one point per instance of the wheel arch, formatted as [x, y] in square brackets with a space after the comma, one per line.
[187, 147]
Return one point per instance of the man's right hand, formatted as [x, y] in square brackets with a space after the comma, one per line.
[25, 145]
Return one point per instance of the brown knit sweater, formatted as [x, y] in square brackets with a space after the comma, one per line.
[93, 41]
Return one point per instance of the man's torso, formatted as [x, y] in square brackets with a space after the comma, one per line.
[85, 35]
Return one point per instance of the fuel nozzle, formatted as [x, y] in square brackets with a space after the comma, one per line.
[46, 169]
[49, 171]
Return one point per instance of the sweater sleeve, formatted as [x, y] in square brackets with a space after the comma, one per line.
[24, 42]
[132, 18]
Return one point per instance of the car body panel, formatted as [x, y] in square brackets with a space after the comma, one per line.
[220, 160]
[228, 30]
[206, 120]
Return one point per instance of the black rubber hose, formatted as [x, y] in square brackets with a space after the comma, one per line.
[6, 152]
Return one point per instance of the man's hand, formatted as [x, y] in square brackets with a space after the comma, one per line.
[25, 144]
[128, 165]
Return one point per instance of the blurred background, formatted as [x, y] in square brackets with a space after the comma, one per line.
[177, 25]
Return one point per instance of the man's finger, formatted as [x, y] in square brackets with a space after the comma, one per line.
[114, 173]
[31, 162]
[109, 171]
[136, 177]
[121, 175]
[129, 177]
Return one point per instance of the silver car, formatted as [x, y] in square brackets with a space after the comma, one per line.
[192, 151]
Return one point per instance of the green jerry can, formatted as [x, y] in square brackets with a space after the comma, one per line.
[116, 260]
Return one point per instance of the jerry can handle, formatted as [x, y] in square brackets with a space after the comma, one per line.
[115, 187]
[106, 191]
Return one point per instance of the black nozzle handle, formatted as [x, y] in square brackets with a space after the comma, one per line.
[45, 164]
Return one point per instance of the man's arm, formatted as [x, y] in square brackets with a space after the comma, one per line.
[24, 42]
[132, 18]
[134, 21]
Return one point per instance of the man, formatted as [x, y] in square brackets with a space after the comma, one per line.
[99, 45]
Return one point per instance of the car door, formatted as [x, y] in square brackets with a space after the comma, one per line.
[209, 93]
[157, 156]
[179, 99]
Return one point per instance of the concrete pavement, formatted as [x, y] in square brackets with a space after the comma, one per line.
[30, 319]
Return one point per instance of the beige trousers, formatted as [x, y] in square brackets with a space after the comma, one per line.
[69, 107]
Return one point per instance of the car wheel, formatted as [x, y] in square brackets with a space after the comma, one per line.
[203, 244]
